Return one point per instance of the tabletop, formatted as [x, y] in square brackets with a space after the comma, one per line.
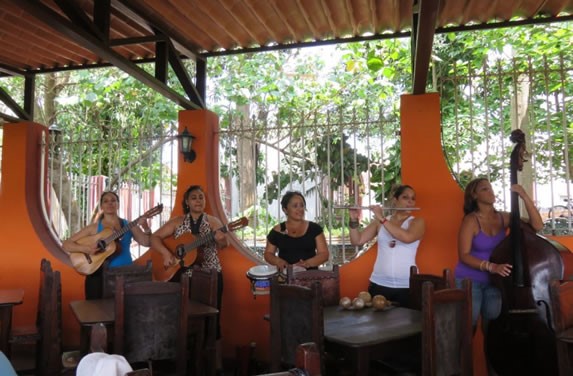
[370, 327]
[11, 296]
[89, 312]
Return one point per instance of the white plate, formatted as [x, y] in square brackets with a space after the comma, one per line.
[263, 270]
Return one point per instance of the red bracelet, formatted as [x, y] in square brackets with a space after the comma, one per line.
[382, 221]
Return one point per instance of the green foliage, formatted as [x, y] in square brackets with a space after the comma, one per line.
[109, 105]
[477, 104]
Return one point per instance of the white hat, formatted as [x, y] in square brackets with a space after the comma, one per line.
[102, 364]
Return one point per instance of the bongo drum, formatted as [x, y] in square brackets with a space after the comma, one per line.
[260, 277]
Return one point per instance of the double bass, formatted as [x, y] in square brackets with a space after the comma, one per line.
[521, 341]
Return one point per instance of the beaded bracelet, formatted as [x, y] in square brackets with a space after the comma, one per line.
[353, 223]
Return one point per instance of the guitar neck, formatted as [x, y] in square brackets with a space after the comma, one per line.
[202, 240]
[119, 233]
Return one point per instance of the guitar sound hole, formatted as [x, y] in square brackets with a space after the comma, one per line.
[101, 245]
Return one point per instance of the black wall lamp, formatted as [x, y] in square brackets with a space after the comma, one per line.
[186, 145]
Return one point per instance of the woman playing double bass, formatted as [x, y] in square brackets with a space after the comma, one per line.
[482, 229]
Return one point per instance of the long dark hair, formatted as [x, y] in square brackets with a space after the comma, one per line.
[192, 188]
[470, 203]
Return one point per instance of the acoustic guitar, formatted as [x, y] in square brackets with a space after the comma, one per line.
[187, 248]
[106, 242]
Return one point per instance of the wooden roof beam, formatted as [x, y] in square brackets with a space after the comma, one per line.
[257, 15]
[90, 42]
[422, 42]
[240, 22]
[133, 12]
[79, 18]
[329, 19]
[284, 20]
[307, 19]
[12, 105]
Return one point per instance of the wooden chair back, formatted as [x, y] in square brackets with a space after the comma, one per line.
[204, 286]
[130, 273]
[46, 335]
[31, 334]
[328, 279]
[561, 294]
[417, 280]
[447, 330]
[49, 348]
[296, 317]
[204, 290]
[151, 321]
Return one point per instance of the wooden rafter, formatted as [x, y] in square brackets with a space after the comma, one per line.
[423, 37]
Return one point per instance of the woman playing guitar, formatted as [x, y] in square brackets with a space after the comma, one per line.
[108, 220]
[200, 224]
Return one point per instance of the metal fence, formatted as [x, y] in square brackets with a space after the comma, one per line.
[141, 170]
[335, 158]
[481, 107]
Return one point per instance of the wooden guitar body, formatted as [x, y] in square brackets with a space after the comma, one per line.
[187, 246]
[107, 242]
[87, 264]
[160, 273]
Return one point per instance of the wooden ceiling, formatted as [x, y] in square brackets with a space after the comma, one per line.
[39, 36]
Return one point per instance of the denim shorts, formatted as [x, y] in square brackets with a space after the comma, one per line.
[486, 299]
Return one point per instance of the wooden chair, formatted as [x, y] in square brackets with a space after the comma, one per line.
[203, 289]
[30, 335]
[447, 331]
[561, 293]
[329, 281]
[48, 334]
[296, 318]
[307, 362]
[151, 321]
[417, 280]
[130, 273]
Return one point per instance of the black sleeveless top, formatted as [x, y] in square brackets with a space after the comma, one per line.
[291, 249]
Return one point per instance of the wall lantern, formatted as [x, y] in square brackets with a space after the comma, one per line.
[186, 145]
[55, 135]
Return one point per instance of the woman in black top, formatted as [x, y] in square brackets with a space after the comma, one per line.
[298, 241]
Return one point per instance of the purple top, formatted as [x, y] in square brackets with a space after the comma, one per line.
[482, 248]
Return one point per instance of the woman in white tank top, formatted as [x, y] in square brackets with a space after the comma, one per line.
[398, 238]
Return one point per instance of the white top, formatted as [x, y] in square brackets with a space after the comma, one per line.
[392, 265]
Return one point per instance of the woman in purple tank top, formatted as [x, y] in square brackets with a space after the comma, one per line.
[482, 229]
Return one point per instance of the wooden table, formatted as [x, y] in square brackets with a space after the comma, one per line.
[8, 299]
[365, 332]
[91, 312]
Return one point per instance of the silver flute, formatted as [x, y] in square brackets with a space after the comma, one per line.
[368, 208]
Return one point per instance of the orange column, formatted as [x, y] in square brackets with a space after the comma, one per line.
[242, 315]
[23, 230]
[437, 193]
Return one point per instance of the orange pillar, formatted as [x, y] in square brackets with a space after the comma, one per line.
[437, 193]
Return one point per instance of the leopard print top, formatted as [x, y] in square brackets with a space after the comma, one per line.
[210, 252]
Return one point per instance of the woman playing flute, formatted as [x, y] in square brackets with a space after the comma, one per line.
[398, 238]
